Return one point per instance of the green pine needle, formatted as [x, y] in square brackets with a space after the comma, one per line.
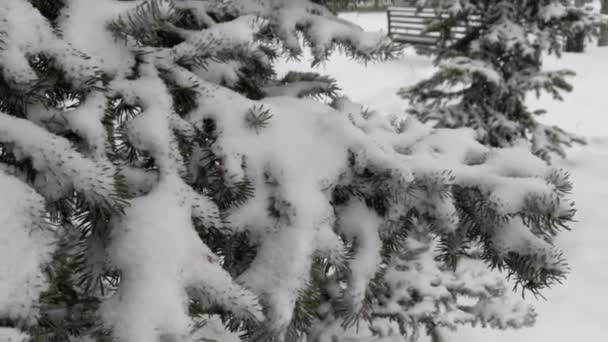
[258, 118]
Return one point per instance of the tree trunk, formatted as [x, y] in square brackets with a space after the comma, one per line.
[576, 41]
[603, 40]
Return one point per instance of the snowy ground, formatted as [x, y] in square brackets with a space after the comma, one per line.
[577, 310]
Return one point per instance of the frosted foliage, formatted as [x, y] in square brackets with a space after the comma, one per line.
[287, 15]
[196, 193]
[161, 257]
[298, 185]
[469, 66]
[57, 160]
[478, 86]
[62, 167]
[422, 290]
[419, 288]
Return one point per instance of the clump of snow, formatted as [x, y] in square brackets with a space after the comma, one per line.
[553, 10]
[81, 29]
[150, 131]
[25, 246]
[161, 258]
[12, 335]
[514, 236]
[360, 226]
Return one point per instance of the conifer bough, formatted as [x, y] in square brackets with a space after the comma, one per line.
[161, 183]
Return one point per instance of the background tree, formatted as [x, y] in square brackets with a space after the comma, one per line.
[162, 183]
[603, 39]
[485, 77]
[576, 41]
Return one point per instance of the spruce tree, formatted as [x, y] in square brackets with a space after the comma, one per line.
[577, 41]
[486, 75]
[603, 38]
[161, 183]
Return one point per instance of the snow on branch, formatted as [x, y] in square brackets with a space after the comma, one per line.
[145, 250]
[64, 168]
[225, 192]
[297, 84]
[25, 236]
[320, 28]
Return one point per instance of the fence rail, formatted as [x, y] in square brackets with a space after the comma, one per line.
[361, 5]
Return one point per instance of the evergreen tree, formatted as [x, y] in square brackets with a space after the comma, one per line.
[576, 41]
[161, 183]
[443, 237]
[485, 76]
[603, 38]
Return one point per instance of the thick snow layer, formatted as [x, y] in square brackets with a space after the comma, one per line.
[576, 310]
[360, 225]
[23, 237]
[82, 25]
[144, 248]
[12, 335]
